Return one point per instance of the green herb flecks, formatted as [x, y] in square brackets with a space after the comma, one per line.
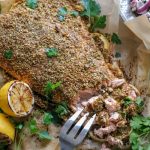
[62, 12]
[34, 130]
[44, 135]
[139, 102]
[140, 135]
[92, 10]
[51, 52]
[115, 39]
[47, 119]
[74, 13]
[62, 109]
[99, 22]
[8, 54]
[32, 3]
[127, 101]
[49, 87]
[33, 126]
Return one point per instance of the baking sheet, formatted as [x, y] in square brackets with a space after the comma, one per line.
[125, 10]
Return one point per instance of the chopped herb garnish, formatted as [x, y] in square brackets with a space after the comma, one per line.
[62, 11]
[51, 52]
[62, 109]
[127, 101]
[91, 8]
[8, 54]
[49, 87]
[44, 135]
[47, 119]
[32, 3]
[140, 135]
[139, 102]
[99, 22]
[33, 126]
[74, 13]
[115, 39]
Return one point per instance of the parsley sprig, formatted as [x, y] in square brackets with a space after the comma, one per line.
[62, 109]
[92, 11]
[140, 135]
[51, 52]
[32, 3]
[63, 11]
[8, 54]
[115, 39]
[49, 87]
[138, 102]
[47, 119]
[34, 130]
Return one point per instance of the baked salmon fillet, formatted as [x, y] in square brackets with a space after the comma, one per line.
[27, 33]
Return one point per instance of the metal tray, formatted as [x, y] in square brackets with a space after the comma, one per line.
[125, 10]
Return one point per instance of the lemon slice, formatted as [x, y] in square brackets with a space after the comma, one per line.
[16, 99]
[105, 41]
[7, 130]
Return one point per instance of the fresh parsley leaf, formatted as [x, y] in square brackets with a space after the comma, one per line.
[44, 135]
[140, 135]
[139, 102]
[56, 119]
[51, 52]
[61, 109]
[47, 119]
[136, 122]
[74, 13]
[49, 87]
[115, 39]
[62, 11]
[32, 3]
[99, 22]
[127, 101]
[33, 126]
[91, 8]
[134, 140]
[8, 54]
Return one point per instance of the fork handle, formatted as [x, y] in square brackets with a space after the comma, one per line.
[66, 146]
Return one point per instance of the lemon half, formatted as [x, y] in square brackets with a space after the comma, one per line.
[7, 130]
[16, 99]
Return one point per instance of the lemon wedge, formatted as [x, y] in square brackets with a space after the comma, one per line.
[16, 99]
[7, 130]
[105, 41]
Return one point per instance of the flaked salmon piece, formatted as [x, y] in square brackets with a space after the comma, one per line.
[27, 33]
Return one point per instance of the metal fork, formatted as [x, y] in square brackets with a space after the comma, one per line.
[72, 135]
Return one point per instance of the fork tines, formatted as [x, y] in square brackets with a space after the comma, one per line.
[75, 133]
